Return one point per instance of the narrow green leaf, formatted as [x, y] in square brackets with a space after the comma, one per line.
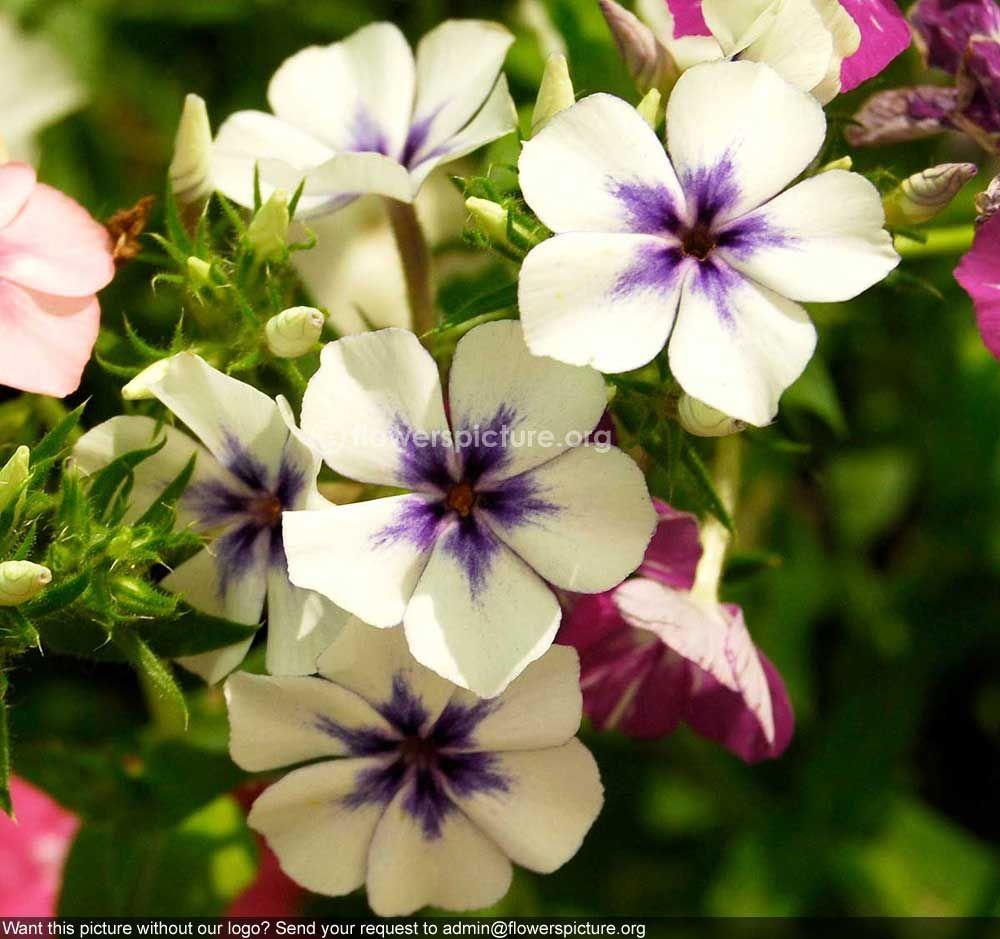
[156, 674]
[175, 225]
[234, 217]
[161, 513]
[51, 446]
[501, 299]
[191, 632]
[700, 477]
[257, 200]
[293, 203]
[5, 800]
[58, 597]
[108, 482]
[139, 344]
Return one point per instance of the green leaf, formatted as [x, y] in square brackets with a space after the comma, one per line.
[160, 514]
[156, 674]
[700, 479]
[175, 225]
[139, 344]
[5, 802]
[52, 445]
[502, 299]
[108, 482]
[58, 596]
[191, 632]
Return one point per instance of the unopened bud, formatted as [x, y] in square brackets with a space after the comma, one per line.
[22, 580]
[199, 273]
[646, 58]
[649, 107]
[13, 475]
[490, 217]
[191, 166]
[294, 331]
[844, 163]
[140, 387]
[923, 195]
[266, 232]
[988, 202]
[555, 93]
[703, 420]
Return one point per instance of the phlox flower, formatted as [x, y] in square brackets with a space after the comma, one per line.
[251, 466]
[366, 116]
[53, 259]
[701, 248]
[503, 500]
[432, 792]
[979, 274]
[654, 654]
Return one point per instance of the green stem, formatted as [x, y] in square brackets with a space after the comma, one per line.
[416, 259]
[5, 803]
[715, 537]
[946, 241]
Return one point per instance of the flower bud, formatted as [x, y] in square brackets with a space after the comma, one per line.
[649, 107]
[490, 217]
[22, 580]
[844, 163]
[13, 475]
[268, 228]
[294, 331]
[923, 195]
[199, 273]
[646, 58]
[555, 93]
[703, 420]
[988, 203]
[140, 387]
[191, 166]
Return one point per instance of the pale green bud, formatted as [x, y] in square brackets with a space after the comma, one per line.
[490, 217]
[649, 107]
[191, 166]
[13, 475]
[294, 331]
[22, 580]
[140, 387]
[269, 227]
[199, 273]
[555, 93]
[844, 163]
[923, 195]
[703, 420]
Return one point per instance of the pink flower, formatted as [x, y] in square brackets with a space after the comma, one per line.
[652, 654]
[32, 852]
[979, 274]
[53, 259]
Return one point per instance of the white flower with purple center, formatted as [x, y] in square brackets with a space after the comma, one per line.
[434, 791]
[251, 466]
[366, 116]
[504, 500]
[701, 248]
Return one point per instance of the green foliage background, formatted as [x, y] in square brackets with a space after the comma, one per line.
[868, 563]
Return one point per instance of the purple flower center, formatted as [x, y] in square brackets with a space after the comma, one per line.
[698, 242]
[461, 498]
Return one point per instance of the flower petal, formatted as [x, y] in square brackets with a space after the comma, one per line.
[355, 95]
[737, 346]
[680, 27]
[512, 411]
[17, 181]
[599, 167]
[608, 301]
[479, 614]
[736, 25]
[47, 339]
[979, 274]
[796, 44]
[675, 550]
[822, 240]
[340, 180]
[553, 798]
[54, 246]
[722, 121]
[884, 35]
[374, 409]
[596, 524]
[944, 28]
[366, 557]
[903, 114]
[320, 838]
[461, 869]
[280, 721]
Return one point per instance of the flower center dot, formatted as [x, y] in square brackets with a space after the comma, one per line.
[698, 242]
[267, 510]
[461, 499]
[417, 751]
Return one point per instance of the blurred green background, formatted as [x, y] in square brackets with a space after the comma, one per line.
[874, 505]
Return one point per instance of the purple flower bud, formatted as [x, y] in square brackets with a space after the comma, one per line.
[944, 28]
[646, 58]
[988, 202]
[903, 114]
[978, 85]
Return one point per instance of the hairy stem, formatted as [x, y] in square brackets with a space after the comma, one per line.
[941, 242]
[416, 259]
[715, 537]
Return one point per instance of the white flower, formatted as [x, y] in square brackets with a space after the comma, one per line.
[364, 116]
[435, 791]
[504, 499]
[700, 248]
[251, 465]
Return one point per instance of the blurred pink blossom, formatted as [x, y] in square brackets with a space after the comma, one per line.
[979, 274]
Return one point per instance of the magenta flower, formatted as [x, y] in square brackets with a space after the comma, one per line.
[653, 655]
[945, 27]
[979, 274]
[53, 259]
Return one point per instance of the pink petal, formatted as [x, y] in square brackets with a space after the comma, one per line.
[54, 246]
[673, 555]
[979, 274]
[17, 180]
[885, 34]
[46, 340]
[688, 19]
[32, 852]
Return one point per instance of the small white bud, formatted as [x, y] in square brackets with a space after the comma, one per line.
[22, 580]
[555, 93]
[923, 195]
[703, 420]
[191, 166]
[199, 273]
[294, 331]
[490, 217]
[268, 228]
[140, 387]
[13, 475]
[649, 107]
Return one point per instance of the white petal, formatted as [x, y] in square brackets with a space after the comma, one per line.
[459, 870]
[354, 95]
[320, 840]
[458, 64]
[372, 393]
[371, 662]
[828, 242]
[496, 384]
[740, 348]
[301, 625]
[363, 557]
[300, 454]
[722, 123]
[540, 708]
[212, 667]
[599, 167]
[553, 798]
[608, 301]
[279, 721]
[797, 45]
[846, 36]
[596, 524]
[479, 616]
[687, 51]
[736, 25]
